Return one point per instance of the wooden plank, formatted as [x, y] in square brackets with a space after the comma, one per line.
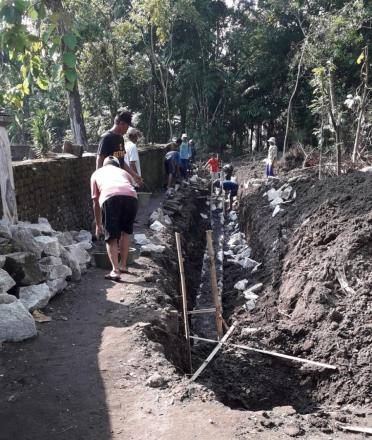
[6, 179]
[215, 291]
[364, 429]
[184, 298]
[200, 311]
[270, 353]
[213, 353]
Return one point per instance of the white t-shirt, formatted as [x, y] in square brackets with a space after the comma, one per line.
[132, 155]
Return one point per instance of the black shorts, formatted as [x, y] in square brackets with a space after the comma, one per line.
[118, 214]
[170, 167]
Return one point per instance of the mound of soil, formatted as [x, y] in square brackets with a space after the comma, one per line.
[317, 273]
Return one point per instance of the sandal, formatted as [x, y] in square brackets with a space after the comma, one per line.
[124, 271]
[113, 276]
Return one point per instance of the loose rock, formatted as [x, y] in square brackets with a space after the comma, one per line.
[35, 297]
[16, 323]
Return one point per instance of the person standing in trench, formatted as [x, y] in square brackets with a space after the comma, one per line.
[115, 207]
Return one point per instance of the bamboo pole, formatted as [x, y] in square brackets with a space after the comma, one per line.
[213, 353]
[270, 353]
[184, 298]
[215, 292]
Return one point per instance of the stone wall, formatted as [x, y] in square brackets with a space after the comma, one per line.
[59, 189]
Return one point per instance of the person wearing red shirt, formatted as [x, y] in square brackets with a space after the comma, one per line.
[213, 166]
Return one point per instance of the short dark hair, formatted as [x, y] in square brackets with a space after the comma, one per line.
[124, 116]
[179, 141]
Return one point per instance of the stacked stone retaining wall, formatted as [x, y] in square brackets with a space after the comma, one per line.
[59, 189]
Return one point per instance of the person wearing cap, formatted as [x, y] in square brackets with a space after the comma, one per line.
[131, 156]
[271, 157]
[115, 207]
[112, 144]
[184, 156]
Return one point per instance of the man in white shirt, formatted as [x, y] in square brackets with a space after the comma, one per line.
[131, 156]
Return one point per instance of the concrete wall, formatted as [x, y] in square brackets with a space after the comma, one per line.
[59, 189]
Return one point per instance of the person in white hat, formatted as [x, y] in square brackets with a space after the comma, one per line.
[184, 156]
[131, 156]
[271, 157]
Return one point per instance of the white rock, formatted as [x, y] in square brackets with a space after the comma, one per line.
[53, 272]
[157, 226]
[233, 216]
[167, 220]
[366, 170]
[277, 201]
[26, 240]
[49, 245]
[69, 260]
[79, 253]
[203, 216]
[276, 211]
[250, 305]
[249, 295]
[255, 288]
[272, 194]
[6, 281]
[16, 323]
[156, 215]
[50, 261]
[241, 285]
[5, 231]
[84, 235]
[235, 239]
[85, 244]
[35, 297]
[286, 192]
[244, 253]
[65, 238]
[152, 248]
[247, 263]
[141, 239]
[56, 286]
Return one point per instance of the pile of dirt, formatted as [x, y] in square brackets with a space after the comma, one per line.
[317, 275]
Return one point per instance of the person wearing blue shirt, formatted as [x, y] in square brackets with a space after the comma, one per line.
[184, 155]
[230, 187]
[172, 162]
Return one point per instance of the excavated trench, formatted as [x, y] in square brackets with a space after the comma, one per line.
[239, 379]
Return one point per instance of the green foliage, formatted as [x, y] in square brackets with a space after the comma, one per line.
[40, 134]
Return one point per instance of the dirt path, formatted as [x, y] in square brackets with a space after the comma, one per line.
[89, 375]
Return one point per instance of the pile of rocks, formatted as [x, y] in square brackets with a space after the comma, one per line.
[278, 198]
[36, 262]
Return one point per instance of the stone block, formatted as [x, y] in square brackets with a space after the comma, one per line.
[25, 240]
[56, 286]
[65, 238]
[49, 245]
[35, 297]
[79, 253]
[16, 323]
[23, 268]
[69, 260]
[6, 281]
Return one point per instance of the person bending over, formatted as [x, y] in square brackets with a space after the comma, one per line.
[229, 187]
[172, 163]
[115, 207]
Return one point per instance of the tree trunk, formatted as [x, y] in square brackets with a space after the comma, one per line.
[362, 105]
[74, 102]
[335, 122]
[6, 179]
[289, 110]
[76, 117]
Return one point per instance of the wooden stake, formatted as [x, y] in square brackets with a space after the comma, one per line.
[184, 298]
[215, 292]
[213, 353]
[270, 353]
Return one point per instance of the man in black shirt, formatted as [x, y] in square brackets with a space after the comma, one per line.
[112, 144]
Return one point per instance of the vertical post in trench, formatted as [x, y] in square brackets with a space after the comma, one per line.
[184, 298]
[215, 293]
[6, 173]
